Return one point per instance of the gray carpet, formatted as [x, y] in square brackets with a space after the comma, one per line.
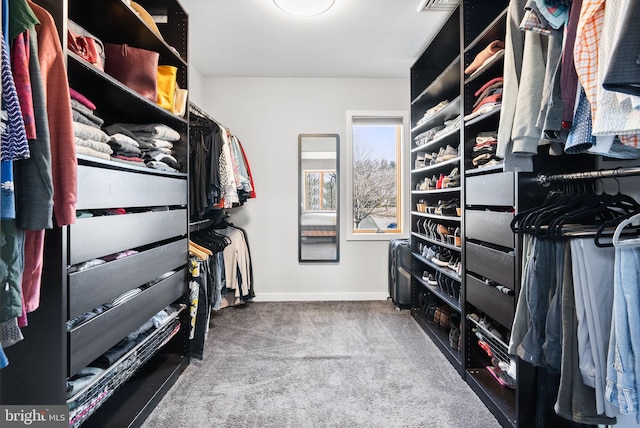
[319, 364]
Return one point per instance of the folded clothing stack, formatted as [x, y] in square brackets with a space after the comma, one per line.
[488, 98]
[90, 139]
[484, 150]
[154, 143]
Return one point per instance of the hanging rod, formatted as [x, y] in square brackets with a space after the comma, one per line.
[546, 180]
[195, 109]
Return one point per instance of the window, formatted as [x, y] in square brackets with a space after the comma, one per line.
[320, 190]
[374, 187]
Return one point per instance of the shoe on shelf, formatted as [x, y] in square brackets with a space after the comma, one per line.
[453, 263]
[432, 183]
[443, 232]
[450, 207]
[431, 280]
[446, 154]
[442, 258]
[457, 239]
[454, 336]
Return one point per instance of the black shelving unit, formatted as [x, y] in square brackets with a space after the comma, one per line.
[50, 353]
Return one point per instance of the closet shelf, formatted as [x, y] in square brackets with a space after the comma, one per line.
[437, 141]
[448, 112]
[486, 66]
[454, 304]
[436, 191]
[447, 81]
[441, 339]
[116, 22]
[435, 241]
[88, 400]
[488, 169]
[437, 166]
[482, 117]
[436, 216]
[500, 400]
[494, 31]
[448, 272]
[93, 161]
[109, 95]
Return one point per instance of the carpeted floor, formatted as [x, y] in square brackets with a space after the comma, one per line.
[319, 364]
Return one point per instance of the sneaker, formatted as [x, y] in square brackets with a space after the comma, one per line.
[453, 263]
[446, 154]
[449, 208]
[454, 336]
[431, 280]
[442, 258]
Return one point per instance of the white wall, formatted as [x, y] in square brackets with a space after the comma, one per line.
[267, 114]
[195, 86]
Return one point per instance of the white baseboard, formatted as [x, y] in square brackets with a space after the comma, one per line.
[318, 297]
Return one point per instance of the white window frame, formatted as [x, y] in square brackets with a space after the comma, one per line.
[403, 190]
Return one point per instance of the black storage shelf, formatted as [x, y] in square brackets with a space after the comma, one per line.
[437, 56]
[440, 338]
[492, 68]
[438, 142]
[500, 400]
[445, 86]
[450, 111]
[436, 191]
[148, 385]
[480, 19]
[120, 166]
[116, 22]
[454, 304]
[108, 94]
[437, 166]
[495, 30]
[485, 170]
[483, 117]
[156, 225]
[446, 271]
[436, 216]
[436, 242]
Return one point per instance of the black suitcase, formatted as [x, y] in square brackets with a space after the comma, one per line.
[399, 273]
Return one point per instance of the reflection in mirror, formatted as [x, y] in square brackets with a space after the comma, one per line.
[319, 196]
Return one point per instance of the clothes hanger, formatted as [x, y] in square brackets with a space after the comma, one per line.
[634, 242]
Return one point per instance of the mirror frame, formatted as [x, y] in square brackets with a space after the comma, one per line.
[301, 198]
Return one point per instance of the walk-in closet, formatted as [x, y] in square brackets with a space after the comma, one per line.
[320, 213]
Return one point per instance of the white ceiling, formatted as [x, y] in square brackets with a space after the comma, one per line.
[356, 38]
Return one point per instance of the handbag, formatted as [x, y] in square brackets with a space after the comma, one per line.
[136, 68]
[88, 48]
[166, 86]
[180, 101]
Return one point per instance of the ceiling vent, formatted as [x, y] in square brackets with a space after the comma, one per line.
[426, 5]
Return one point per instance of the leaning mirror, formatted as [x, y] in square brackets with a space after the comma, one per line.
[319, 196]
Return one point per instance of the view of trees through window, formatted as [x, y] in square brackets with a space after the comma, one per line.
[376, 179]
[320, 190]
